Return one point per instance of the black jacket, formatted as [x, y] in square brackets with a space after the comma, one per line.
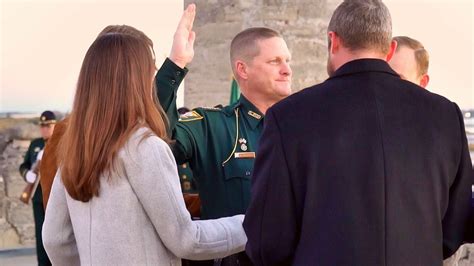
[363, 169]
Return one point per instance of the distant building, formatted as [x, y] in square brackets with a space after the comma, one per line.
[21, 115]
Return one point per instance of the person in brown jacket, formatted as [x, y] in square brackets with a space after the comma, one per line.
[49, 164]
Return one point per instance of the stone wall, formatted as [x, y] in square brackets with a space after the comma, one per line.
[16, 218]
[463, 257]
[302, 23]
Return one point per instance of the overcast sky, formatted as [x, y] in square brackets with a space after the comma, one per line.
[43, 43]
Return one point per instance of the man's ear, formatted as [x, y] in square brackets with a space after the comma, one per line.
[393, 48]
[241, 69]
[334, 42]
[425, 79]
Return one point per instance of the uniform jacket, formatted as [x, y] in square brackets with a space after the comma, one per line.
[220, 145]
[35, 147]
[363, 169]
[49, 164]
[139, 217]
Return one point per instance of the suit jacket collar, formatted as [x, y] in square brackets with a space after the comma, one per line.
[363, 65]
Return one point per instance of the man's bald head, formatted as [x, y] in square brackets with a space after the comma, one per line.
[421, 55]
[411, 60]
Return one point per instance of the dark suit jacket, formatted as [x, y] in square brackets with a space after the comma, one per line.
[363, 169]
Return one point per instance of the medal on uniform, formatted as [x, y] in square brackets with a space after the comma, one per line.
[243, 144]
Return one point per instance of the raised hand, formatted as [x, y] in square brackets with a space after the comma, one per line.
[182, 51]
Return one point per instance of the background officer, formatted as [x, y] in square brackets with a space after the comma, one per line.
[411, 61]
[29, 171]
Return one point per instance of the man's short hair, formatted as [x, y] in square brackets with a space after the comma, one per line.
[422, 57]
[244, 46]
[363, 24]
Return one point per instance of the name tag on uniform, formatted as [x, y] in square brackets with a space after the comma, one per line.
[244, 155]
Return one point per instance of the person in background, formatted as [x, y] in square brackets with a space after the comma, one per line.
[411, 61]
[29, 170]
[49, 165]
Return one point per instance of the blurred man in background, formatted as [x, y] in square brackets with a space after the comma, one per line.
[29, 169]
[411, 61]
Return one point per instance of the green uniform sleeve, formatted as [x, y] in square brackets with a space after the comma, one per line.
[26, 165]
[184, 146]
[167, 81]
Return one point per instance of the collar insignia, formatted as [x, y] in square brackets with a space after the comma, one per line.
[254, 115]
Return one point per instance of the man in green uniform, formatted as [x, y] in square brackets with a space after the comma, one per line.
[220, 143]
[29, 171]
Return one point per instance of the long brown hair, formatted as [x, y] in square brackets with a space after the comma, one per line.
[114, 97]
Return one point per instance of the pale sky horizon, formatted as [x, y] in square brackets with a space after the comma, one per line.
[445, 28]
[43, 43]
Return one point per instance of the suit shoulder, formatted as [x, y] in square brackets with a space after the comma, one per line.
[439, 98]
[297, 99]
[433, 101]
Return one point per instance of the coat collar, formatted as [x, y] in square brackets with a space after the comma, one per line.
[363, 65]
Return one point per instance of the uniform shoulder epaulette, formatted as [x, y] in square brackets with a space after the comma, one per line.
[190, 116]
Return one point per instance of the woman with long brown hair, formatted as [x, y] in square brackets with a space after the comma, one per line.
[116, 199]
